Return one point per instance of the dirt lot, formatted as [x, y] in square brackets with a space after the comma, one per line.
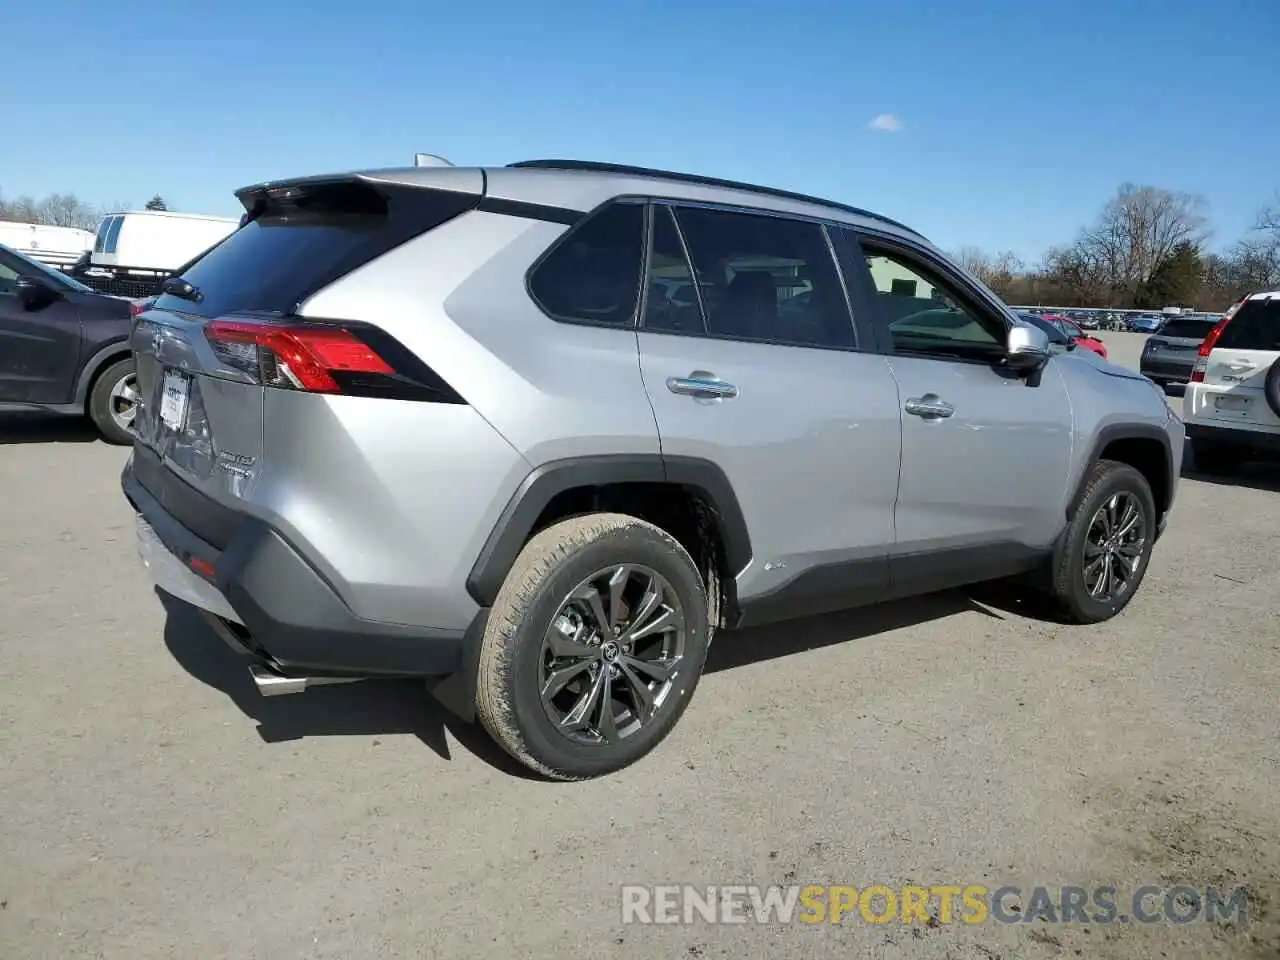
[152, 805]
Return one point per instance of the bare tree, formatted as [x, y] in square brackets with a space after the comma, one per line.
[67, 210]
[1137, 232]
[20, 210]
[998, 272]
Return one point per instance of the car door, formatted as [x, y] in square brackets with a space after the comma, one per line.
[39, 348]
[752, 361]
[985, 453]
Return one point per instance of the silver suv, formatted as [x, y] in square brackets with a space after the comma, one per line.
[536, 431]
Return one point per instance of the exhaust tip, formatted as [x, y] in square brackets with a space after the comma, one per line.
[273, 684]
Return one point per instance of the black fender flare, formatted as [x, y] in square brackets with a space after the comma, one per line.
[1126, 431]
[115, 350]
[516, 522]
[1271, 388]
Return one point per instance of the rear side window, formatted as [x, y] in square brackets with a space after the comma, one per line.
[306, 240]
[1188, 327]
[1256, 326]
[592, 275]
[766, 278]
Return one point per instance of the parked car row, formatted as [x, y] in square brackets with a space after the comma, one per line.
[1065, 333]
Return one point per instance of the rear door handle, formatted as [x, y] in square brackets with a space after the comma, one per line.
[929, 407]
[703, 385]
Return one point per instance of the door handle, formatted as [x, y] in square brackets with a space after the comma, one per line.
[702, 385]
[929, 407]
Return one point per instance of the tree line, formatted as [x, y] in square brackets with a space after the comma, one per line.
[1145, 250]
[65, 210]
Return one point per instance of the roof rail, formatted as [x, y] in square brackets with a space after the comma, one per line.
[626, 170]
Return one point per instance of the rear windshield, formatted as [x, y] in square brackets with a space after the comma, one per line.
[1197, 327]
[297, 246]
[1256, 326]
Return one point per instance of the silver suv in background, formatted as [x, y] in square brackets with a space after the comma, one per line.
[537, 431]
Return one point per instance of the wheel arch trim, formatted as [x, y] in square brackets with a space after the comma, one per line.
[1125, 431]
[97, 362]
[549, 480]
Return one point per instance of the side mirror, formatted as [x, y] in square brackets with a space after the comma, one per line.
[34, 294]
[1026, 347]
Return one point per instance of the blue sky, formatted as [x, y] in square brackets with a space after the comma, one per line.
[1018, 120]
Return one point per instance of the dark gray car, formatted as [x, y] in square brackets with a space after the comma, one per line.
[1170, 353]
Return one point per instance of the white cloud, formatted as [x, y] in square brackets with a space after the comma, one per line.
[886, 123]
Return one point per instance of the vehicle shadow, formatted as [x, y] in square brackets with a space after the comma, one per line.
[43, 428]
[368, 708]
[737, 648]
[1255, 476]
[385, 707]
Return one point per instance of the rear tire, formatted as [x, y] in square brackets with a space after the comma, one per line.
[1271, 388]
[1216, 458]
[1102, 556]
[567, 694]
[113, 402]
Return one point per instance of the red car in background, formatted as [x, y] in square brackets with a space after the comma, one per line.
[1077, 336]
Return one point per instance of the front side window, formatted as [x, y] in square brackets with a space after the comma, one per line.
[593, 274]
[8, 278]
[925, 313]
[765, 278]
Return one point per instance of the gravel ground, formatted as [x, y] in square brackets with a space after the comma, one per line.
[152, 805]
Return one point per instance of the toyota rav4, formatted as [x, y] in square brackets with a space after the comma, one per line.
[535, 432]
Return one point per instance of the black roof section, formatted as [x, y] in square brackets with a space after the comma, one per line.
[625, 170]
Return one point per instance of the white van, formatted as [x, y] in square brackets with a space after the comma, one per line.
[55, 246]
[156, 241]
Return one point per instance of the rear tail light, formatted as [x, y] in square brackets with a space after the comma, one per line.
[1206, 347]
[320, 357]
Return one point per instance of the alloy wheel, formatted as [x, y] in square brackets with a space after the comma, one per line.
[1115, 547]
[611, 655]
[123, 401]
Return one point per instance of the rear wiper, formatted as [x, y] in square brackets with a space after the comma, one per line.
[177, 287]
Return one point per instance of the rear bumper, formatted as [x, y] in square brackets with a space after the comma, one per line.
[1168, 368]
[294, 616]
[1260, 441]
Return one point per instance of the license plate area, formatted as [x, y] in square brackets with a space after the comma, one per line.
[175, 399]
[1232, 406]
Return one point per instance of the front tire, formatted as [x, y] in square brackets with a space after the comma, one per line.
[113, 402]
[594, 646]
[1102, 556]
